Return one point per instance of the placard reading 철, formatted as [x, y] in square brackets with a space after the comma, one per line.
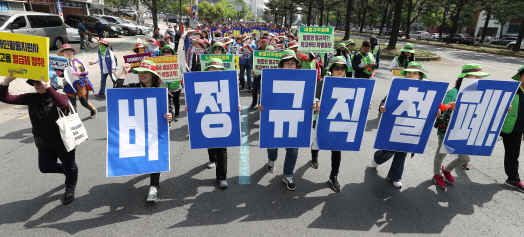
[26, 56]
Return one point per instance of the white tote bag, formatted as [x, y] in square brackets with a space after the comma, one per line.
[71, 127]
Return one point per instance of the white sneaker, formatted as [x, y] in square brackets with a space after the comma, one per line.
[211, 165]
[151, 196]
[223, 183]
[373, 163]
[395, 183]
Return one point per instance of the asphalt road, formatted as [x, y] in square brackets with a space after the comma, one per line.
[191, 203]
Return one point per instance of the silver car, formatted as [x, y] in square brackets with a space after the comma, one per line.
[142, 30]
[37, 24]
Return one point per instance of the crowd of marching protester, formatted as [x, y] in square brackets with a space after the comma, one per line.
[343, 62]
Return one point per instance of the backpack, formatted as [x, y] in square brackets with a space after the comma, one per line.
[442, 122]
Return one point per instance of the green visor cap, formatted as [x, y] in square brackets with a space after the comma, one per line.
[146, 66]
[414, 67]
[341, 45]
[350, 42]
[516, 77]
[472, 69]
[216, 63]
[338, 60]
[408, 48]
[219, 44]
[287, 54]
[167, 47]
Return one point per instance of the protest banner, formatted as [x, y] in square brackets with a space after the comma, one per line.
[256, 30]
[212, 125]
[237, 62]
[480, 113]
[236, 50]
[265, 59]
[213, 29]
[396, 73]
[273, 31]
[264, 30]
[246, 31]
[224, 33]
[236, 31]
[219, 39]
[57, 63]
[135, 59]
[345, 105]
[137, 132]
[411, 111]
[227, 60]
[283, 31]
[167, 67]
[287, 118]
[316, 39]
[26, 56]
[247, 50]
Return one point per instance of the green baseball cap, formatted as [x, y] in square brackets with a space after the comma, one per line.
[167, 47]
[341, 45]
[146, 66]
[472, 69]
[219, 44]
[350, 41]
[216, 63]
[339, 60]
[408, 47]
[287, 54]
[516, 77]
[414, 67]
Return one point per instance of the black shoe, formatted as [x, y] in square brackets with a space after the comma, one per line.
[242, 87]
[334, 183]
[248, 89]
[289, 182]
[314, 162]
[177, 118]
[69, 196]
[270, 166]
[93, 114]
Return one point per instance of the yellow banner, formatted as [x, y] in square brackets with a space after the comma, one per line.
[237, 63]
[396, 73]
[25, 55]
[167, 67]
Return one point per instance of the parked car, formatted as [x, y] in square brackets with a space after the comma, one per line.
[108, 29]
[511, 45]
[459, 39]
[504, 41]
[435, 35]
[421, 35]
[72, 34]
[173, 19]
[400, 33]
[129, 29]
[142, 30]
[35, 23]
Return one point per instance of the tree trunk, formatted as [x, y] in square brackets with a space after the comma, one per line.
[408, 22]
[446, 9]
[348, 19]
[486, 22]
[454, 20]
[502, 28]
[384, 16]
[519, 38]
[362, 22]
[321, 13]
[396, 25]
[310, 7]
[390, 14]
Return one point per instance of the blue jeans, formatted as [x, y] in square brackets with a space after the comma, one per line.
[397, 167]
[103, 84]
[245, 68]
[289, 163]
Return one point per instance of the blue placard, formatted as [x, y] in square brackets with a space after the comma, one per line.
[212, 102]
[213, 29]
[246, 31]
[137, 132]
[287, 96]
[480, 112]
[282, 31]
[411, 111]
[236, 29]
[256, 29]
[4, 6]
[273, 31]
[344, 107]
[264, 30]
[224, 31]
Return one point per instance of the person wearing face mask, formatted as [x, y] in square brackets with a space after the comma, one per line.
[338, 68]
[414, 71]
[80, 87]
[187, 41]
[107, 67]
[264, 42]
[43, 114]
[244, 66]
[512, 134]
[194, 55]
[217, 156]
[149, 78]
[363, 62]
[407, 55]
[468, 71]
[153, 46]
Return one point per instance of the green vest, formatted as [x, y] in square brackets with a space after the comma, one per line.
[367, 60]
[308, 65]
[511, 118]
[349, 63]
[398, 62]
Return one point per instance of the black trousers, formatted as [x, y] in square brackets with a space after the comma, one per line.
[154, 179]
[512, 143]
[47, 163]
[254, 91]
[349, 74]
[219, 155]
[336, 157]
[174, 102]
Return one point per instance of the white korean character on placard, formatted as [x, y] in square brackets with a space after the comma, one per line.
[475, 113]
[293, 117]
[207, 89]
[341, 107]
[408, 128]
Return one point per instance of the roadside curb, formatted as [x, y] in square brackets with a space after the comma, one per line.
[418, 59]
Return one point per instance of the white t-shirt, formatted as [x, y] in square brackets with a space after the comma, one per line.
[393, 64]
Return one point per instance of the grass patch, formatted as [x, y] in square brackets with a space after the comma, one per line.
[384, 52]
